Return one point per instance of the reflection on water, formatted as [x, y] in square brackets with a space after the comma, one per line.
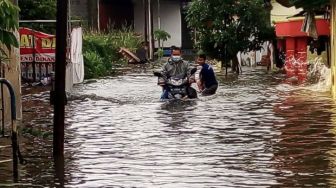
[255, 132]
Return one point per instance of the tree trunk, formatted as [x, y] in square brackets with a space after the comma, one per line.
[235, 65]
[224, 64]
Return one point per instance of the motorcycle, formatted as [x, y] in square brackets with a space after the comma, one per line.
[178, 87]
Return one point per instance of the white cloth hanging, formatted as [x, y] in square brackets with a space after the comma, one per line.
[77, 55]
[75, 67]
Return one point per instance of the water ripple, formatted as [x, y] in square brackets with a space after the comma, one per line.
[255, 132]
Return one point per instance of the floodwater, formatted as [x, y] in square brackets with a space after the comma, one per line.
[256, 131]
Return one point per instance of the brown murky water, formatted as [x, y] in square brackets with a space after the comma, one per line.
[255, 132]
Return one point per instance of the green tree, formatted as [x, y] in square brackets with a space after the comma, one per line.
[38, 10]
[225, 27]
[8, 24]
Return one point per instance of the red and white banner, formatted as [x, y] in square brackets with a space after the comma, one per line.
[36, 44]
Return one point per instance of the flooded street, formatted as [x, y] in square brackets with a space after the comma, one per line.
[255, 132]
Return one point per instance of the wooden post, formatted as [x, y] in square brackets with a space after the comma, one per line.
[61, 44]
[34, 55]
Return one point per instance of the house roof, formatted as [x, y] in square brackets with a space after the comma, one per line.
[292, 28]
[309, 4]
[284, 3]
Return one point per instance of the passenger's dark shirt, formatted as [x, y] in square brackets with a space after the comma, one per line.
[207, 75]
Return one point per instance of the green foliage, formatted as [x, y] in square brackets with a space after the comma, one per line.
[309, 4]
[94, 65]
[161, 35]
[101, 51]
[224, 27]
[8, 24]
[160, 53]
[38, 10]
[42, 9]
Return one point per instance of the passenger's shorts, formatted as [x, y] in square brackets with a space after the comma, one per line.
[210, 91]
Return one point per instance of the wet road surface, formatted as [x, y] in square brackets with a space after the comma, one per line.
[255, 132]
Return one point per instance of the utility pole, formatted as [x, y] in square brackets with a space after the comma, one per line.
[145, 5]
[150, 30]
[60, 64]
[98, 17]
[159, 14]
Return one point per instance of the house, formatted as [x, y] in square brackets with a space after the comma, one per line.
[299, 47]
[167, 15]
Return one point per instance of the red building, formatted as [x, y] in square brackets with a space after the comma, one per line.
[294, 43]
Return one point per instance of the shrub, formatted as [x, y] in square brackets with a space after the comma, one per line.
[101, 51]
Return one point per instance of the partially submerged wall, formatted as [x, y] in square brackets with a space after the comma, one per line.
[333, 46]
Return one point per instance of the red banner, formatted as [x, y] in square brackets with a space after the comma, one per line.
[38, 45]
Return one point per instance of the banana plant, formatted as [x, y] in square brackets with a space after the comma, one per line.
[161, 36]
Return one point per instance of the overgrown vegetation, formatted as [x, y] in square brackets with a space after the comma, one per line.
[9, 15]
[101, 51]
[38, 10]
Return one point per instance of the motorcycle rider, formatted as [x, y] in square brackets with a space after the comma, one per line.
[176, 67]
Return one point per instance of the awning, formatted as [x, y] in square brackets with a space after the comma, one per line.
[293, 28]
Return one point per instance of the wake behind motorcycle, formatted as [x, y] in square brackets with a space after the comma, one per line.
[178, 87]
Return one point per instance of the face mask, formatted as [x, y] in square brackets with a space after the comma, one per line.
[176, 58]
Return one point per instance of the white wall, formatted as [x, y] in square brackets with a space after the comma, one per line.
[138, 17]
[254, 56]
[170, 20]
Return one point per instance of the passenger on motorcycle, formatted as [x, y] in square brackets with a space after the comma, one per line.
[205, 77]
[176, 67]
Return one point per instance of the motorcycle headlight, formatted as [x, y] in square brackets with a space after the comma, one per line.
[177, 82]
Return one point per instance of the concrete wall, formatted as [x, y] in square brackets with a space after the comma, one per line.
[253, 57]
[79, 9]
[333, 46]
[170, 14]
[13, 74]
[170, 17]
[87, 10]
[139, 17]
